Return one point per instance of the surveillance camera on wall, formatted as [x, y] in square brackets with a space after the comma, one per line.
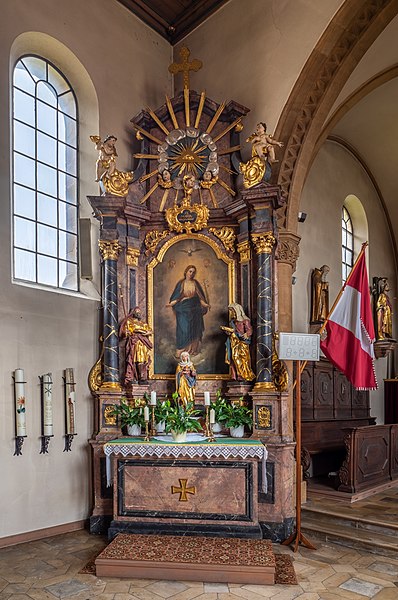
[301, 217]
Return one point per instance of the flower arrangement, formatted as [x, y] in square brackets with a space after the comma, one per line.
[129, 413]
[220, 407]
[162, 409]
[238, 415]
[180, 419]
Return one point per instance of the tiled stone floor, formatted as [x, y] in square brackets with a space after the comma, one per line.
[49, 569]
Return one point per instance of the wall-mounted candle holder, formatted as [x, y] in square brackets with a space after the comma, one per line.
[70, 409]
[20, 410]
[47, 427]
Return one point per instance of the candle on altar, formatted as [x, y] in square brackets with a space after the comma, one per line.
[146, 413]
[47, 404]
[212, 416]
[207, 398]
[20, 412]
[153, 398]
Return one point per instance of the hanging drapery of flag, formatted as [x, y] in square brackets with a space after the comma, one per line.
[350, 330]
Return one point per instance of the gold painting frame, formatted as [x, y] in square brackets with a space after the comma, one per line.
[231, 270]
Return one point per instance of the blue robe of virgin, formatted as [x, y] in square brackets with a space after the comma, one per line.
[189, 315]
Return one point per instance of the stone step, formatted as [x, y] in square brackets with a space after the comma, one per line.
[344, 519]
[351, 536]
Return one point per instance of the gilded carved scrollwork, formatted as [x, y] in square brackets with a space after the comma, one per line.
[132, 256]
[264, 417]
[245, 251]
[109, 250]
[280, 376]
[288, 248]
[95, 377]
[109, 415]
[153, 238]
[263, 242]
[226, 235]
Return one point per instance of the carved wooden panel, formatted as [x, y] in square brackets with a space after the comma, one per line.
[323, 391]
[372, 455]
[360, 404]
[342, 396]
[307, 393]
[394, 452]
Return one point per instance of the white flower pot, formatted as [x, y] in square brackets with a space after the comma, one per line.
[237, 431]
[160, 427]
[216, 427]
[179, 437]
[133, 430]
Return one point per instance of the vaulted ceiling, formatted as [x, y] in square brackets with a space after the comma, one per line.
[173, 19]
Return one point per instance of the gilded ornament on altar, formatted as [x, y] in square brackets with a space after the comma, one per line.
[153, 238]
[263, 242]
[280, 375]
[95, 376]
[226, 235]
[109, 249]
[187, 216]
[183, 490]
[264, 417]
[245, 252]
[109, 415]
[253, 171]
[111, 180]
[132, 256]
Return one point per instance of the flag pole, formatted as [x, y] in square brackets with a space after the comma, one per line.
[322, 328]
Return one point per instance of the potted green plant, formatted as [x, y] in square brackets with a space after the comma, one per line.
[238, 416]
[161, 411]
[220, 411]
[130, 415]
[180, 420]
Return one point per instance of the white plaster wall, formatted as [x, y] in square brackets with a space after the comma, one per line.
[254, 50]
[335, 174]
[125, 64]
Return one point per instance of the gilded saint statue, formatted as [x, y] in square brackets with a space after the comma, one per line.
[111, 180]
[186, 380]
[320, 295]
[237, 345]
[138, 346]
[263, 152]
[383, 310]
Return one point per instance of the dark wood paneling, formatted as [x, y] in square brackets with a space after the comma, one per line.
[342, 396]
[307, 393]
[394, 452]
[323, 391]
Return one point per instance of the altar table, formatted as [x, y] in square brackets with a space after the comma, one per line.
[205, 488]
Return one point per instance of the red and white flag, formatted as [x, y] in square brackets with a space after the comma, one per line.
[350, 330]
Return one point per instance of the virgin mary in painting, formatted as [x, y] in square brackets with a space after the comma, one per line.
[189, 304]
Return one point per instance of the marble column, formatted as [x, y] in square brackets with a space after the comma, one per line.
[110, 251]
[263, 245]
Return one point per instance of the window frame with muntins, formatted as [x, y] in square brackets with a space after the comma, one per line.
[347, 243]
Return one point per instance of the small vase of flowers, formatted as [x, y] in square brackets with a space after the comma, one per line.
[180, 420]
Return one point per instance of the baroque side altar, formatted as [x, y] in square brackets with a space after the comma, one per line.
[188, 245]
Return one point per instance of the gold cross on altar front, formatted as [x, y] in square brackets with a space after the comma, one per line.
[185, 66]
[183, 490]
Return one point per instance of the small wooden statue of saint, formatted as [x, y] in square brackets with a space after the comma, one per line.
[186, 380]
[138, 346]
[111, 180]
[383, 309]
[320, 295]
[237, 345]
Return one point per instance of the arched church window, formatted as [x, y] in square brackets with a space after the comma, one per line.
[347, 245]
[45, 169]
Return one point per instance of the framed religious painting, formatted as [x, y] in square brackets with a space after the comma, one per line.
[190, 284]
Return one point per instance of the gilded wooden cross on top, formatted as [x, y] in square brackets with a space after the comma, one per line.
[185, 66]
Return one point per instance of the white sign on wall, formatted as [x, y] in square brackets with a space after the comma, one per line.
[299, 346]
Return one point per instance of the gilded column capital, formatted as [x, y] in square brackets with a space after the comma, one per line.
[245, 251]
[263, 242]
[132, 256]
[109, 249]
[288, 248]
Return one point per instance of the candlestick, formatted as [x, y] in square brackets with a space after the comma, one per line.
[212, 416]
[207, 398]
[70, 408]
[146, 438]
[153, 398]
[153, 425]
[47, 404]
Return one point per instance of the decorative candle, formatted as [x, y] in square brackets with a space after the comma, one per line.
[153, 398]
[207, 398]
[19, 379]
[70, 405]
[47, 404]
[146, 413]
[212, 416]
